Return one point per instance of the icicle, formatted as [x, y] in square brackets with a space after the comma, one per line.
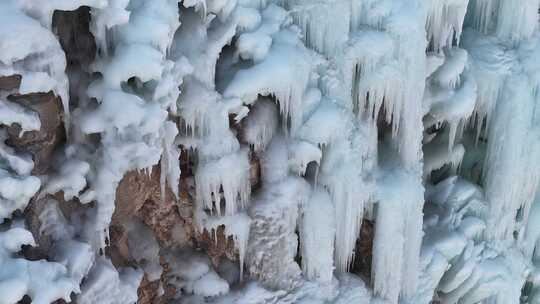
[448, 74]
[349, 212]
[531, 235]
[510, 123]
[437, 155]
[170, 160]
[366, 68]
[414, 204]
[371, 13]
[348, 154]
[517, 21]
[260, 124]
[285, 72]
[508, 20]
[323, 31]
[132, 126]
[481, 13]
[387, 265]
[490, 65]
[511, 155]
[398, 235]
[301, 154]
[273, 242]
[444, 22]
[317, 234]
[230, 173]
[237, 226]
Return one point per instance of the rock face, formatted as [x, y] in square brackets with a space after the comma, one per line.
[41, 144]
[291, 151]
[8, 83]
[170, 219]
[139, 194]
[73, 31]
[364, 251]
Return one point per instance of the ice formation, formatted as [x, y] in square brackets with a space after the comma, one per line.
[43, 281]
[282, 131]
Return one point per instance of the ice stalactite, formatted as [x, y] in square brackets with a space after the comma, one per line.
[317, 230]
[401, 98]
[132, 140]
[395, 233]
[222, 173]
[237, 226]
[30, 51]
[377, 82]
[444, 22]
[511, 21]
[512, 128]
[329, 136]
[349, 189]
[384, 81]
[273, 243]
[228, 173]
[295, 70]
[489, 66]
[450, 94]
[512, 151]
[504, 116]
[207, 118]
[365, 78]
[388, 246]
[305, 125]
[323, 32]
[260, 124]
[437, 155]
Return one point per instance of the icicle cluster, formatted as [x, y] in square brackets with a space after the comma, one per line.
[305, 122]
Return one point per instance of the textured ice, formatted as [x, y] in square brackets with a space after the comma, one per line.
[105, 284]
[43, 281]
[230, 173]
[193, 274]
[349, 108]
[317, 232]
[236, 226]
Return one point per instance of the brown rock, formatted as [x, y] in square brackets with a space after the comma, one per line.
[9, 83]
[169, 227]
[217, 245]
[148, 292]
[42, 143]
[73, 31]
[32, 212]
[170, 219]
[254, 171]
[364, 250]
[118, 248]
[139, 194]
